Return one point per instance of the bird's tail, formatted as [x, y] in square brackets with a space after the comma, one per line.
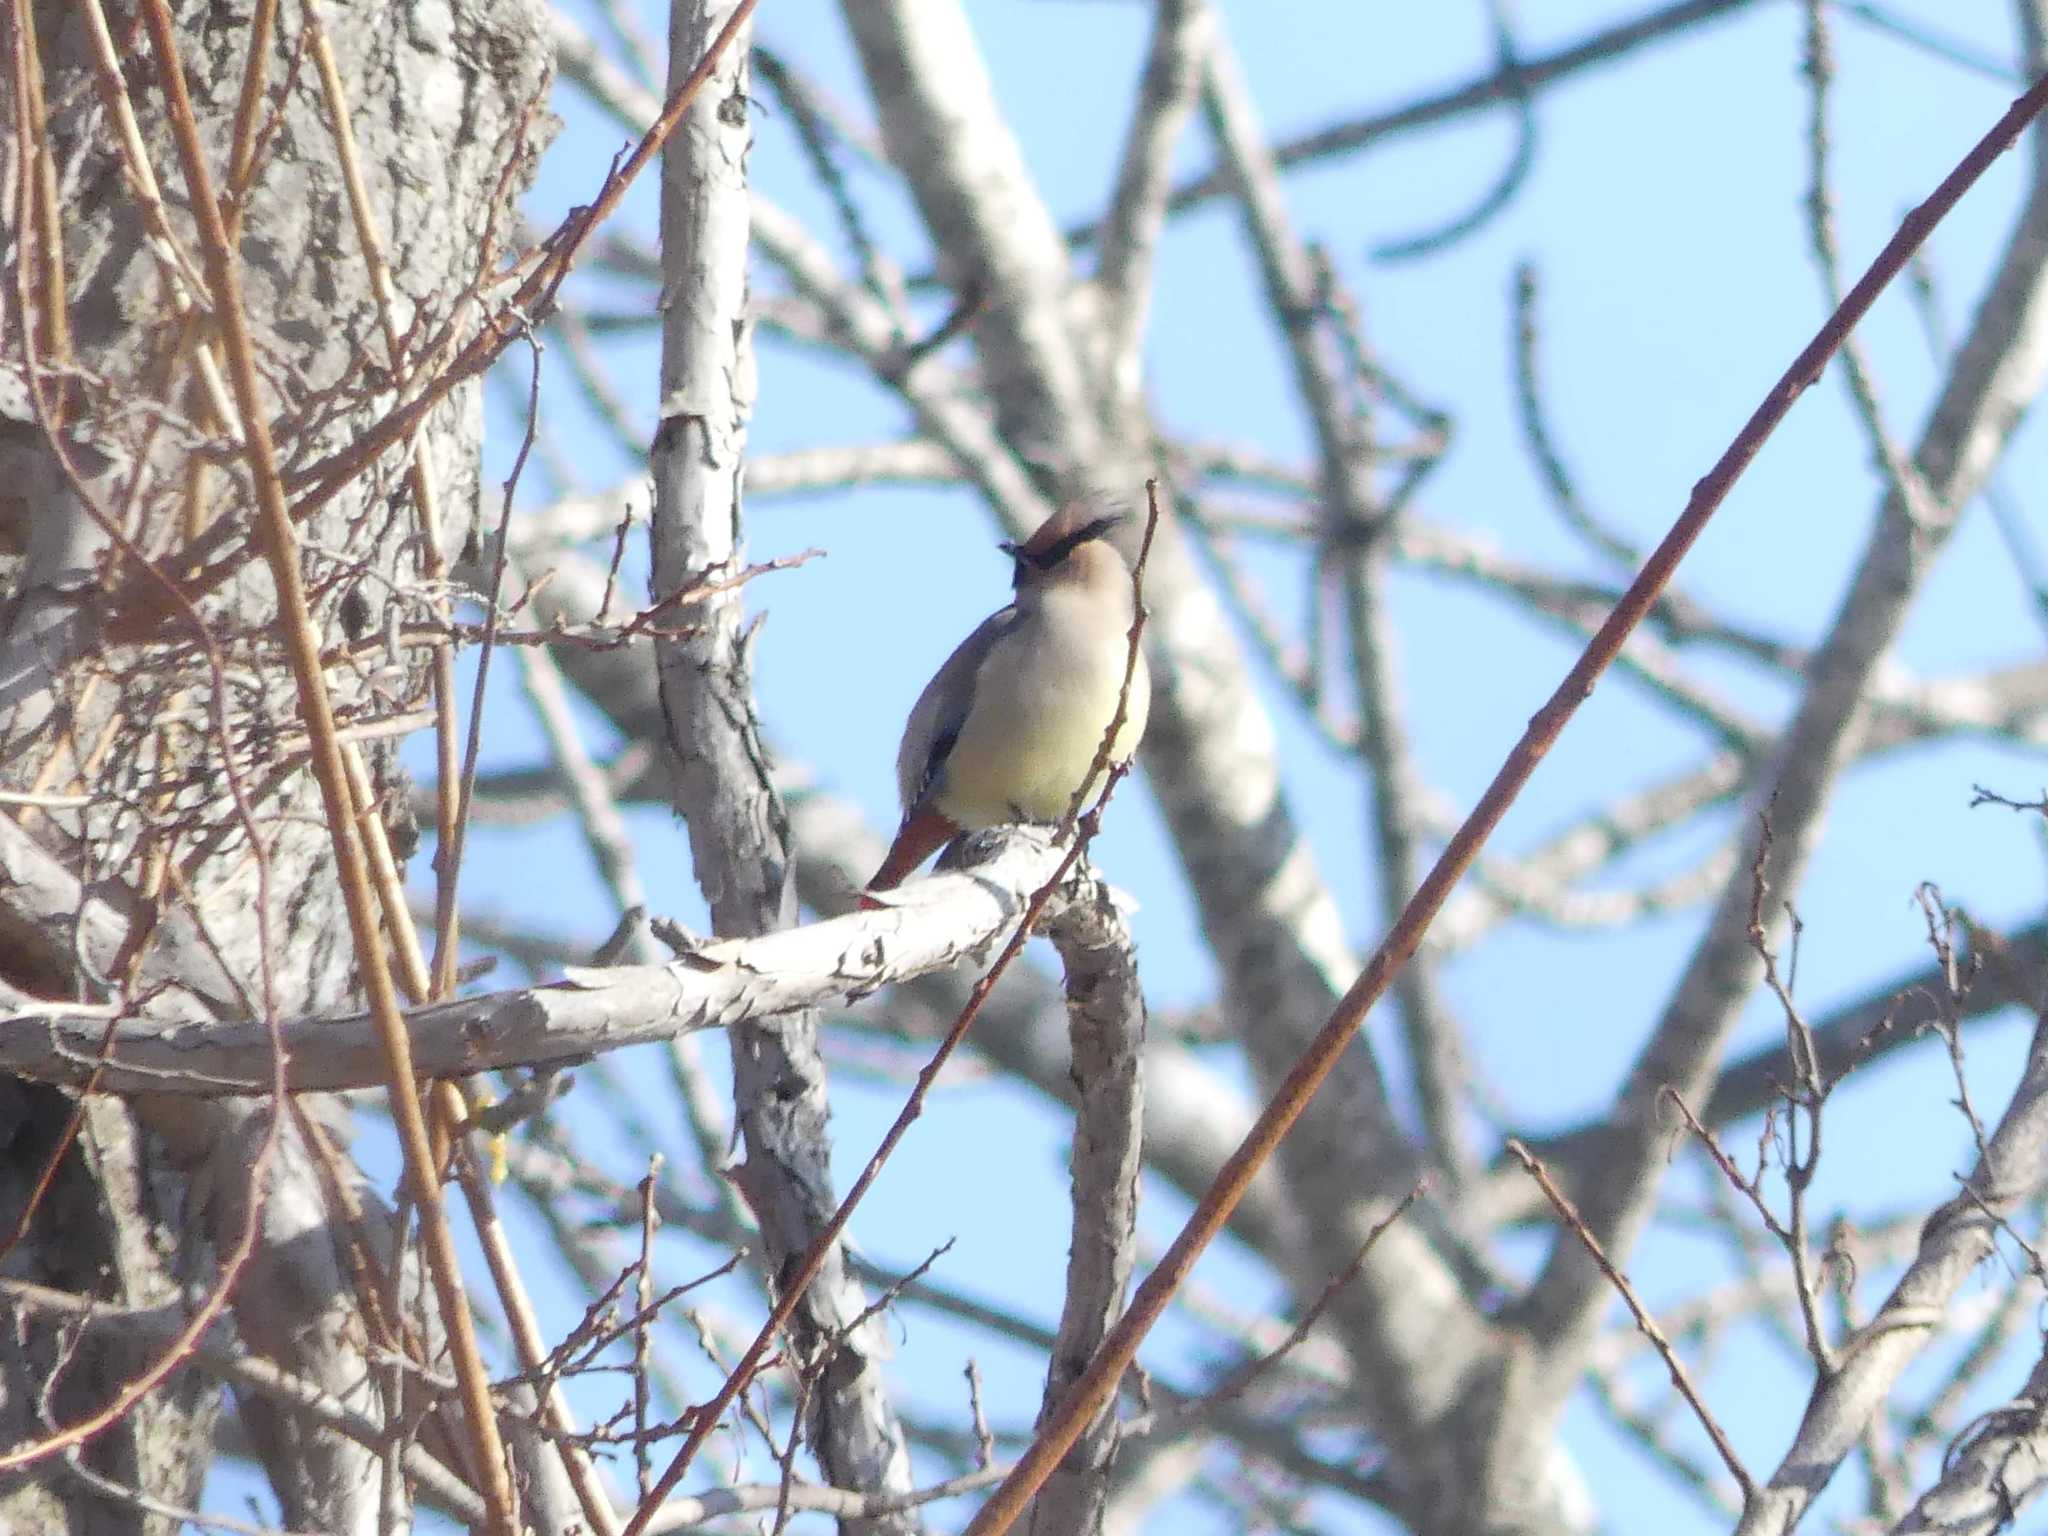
[923, 832]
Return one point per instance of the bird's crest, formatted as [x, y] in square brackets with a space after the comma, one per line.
[1059, 536]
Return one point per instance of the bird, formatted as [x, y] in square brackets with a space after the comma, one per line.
[1008, 729]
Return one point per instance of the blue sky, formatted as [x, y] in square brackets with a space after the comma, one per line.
[1663, 213]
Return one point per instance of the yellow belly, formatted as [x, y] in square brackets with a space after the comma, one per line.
[1029, 769]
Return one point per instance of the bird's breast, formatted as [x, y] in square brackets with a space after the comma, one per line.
[1044, 699]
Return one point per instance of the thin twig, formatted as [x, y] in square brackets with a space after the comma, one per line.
[1680, 1377]
[1513, 175]
[1901, 474]
[251, 1374]
[1235, 1384]
[1557, 478]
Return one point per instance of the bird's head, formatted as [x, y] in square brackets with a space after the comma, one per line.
[1069, 547]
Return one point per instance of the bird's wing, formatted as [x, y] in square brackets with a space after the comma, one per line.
[941, 710]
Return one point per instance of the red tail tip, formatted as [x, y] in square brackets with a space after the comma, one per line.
[923, 833]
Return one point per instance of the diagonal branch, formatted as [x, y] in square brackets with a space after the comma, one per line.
[1137, 207]
[1997, 371]
[1330, 1043]
[1999, 1466]
[1956, 1239]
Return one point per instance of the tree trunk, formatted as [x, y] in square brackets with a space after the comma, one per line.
[178, 862]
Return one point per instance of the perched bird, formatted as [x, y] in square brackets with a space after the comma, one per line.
[1010, 726]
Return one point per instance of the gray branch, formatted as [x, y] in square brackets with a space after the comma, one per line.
[1106, 1022]
[1957, 1238]
[739, 836]
[762, 984]
[1997, 1469]
[1355, 531]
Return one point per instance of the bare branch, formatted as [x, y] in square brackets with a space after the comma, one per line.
[739, 835]
[1502, 85]
[1137, 208]
[251, 1373]
[937, 923]
[1681, 1378]
[1995, 1469]
[1106, 1021]
[1958, 1237]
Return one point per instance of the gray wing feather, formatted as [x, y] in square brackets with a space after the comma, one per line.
[941, 710]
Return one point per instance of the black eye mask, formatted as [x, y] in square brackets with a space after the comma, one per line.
[1050, 557]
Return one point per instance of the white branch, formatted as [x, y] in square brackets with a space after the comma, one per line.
[936, 923]
[1106, 1022]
